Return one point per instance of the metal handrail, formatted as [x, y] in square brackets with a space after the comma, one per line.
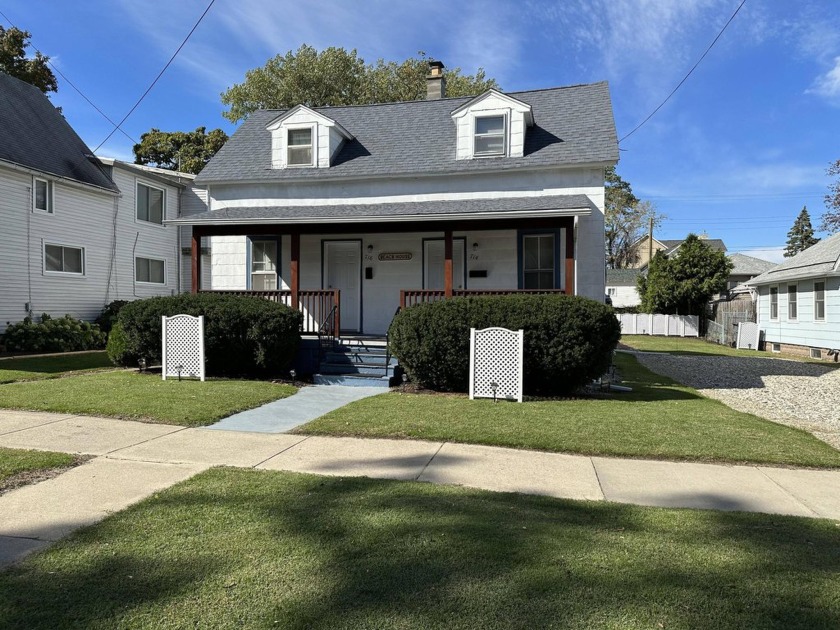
[330, 334]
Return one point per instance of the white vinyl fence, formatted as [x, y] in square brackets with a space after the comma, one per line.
[657, 324]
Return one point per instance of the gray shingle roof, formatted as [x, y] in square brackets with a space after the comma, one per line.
[622, 277]
[715, 243]
[744, 265]
[35, 135]
[359, 212]
[573, 125]
[816, 261]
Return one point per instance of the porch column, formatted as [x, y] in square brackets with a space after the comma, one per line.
[448, 267]
[195, 258]
[294, 269]
[569, 289]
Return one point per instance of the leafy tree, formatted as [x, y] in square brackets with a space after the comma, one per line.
[801, 235]
[831, 218]
[336, 76]
[186, 151]
[684, 283]
[13, 60]
[626, 219]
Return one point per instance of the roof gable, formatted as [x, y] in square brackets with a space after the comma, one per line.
[277, 123]
[818, 260]
[511, 102]
[36, 136]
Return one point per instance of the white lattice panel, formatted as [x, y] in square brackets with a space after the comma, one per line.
[496, 363]
[748, 336]
[183, 346]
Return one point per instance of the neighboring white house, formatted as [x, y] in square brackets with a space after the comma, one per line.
[77, 232]
[799, 302]
[398, 203]
[621, 287]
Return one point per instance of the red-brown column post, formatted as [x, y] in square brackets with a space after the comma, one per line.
[294, 269]
[447, 264]
[195, 259]
[570, 257]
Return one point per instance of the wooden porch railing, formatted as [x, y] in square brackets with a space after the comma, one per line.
[410, 297]
[315, 305]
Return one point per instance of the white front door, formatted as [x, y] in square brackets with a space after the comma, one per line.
[343, 271]
[433, 259]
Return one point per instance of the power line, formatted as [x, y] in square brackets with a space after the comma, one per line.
[685, 78]
[70, 83]
[157, 78]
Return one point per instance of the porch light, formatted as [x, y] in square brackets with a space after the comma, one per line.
[475, 247]
[370, 249]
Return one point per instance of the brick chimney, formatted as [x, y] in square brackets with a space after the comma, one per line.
[435, 81]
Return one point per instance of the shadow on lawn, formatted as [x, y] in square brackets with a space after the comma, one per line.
[320, 552]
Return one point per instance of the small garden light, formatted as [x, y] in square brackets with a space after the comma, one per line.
[142, 364]
[179, 369]
[494, 386]
[404, 380]
[293, 374]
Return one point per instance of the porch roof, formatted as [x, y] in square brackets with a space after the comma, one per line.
[439, 210]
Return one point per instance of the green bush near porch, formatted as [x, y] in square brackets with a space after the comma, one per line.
[569, 340]
[242, 335]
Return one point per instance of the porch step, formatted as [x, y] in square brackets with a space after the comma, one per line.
[359, 358]
[357, 368]
[352, 380]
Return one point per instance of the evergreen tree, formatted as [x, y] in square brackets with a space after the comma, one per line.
[801, 235]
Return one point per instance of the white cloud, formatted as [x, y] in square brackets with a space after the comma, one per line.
[828, 85]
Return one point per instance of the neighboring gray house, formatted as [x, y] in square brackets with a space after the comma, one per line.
[76, 233]
[365, 209]
[745, 268]
[799, 302]
[621, 287]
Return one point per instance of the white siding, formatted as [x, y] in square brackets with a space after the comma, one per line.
[625, 297]
[103, 224]
[804, 331]
[193, 201]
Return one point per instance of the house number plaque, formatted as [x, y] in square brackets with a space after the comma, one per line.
[391, 256]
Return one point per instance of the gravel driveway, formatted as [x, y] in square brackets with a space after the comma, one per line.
[803, 395]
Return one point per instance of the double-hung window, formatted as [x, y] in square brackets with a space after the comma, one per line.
[819, 300]
[151, 204]
[150, 270]
[64, 259]
[774, 302]
[42, 195]
[299, 149]
[538, 261]
[489, 138]
[792, 301]
[263, 265]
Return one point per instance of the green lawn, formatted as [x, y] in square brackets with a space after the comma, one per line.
[33, 368]
[129, 394]
[690, 345]
[659, 419]
[15, 462]
[248, 549]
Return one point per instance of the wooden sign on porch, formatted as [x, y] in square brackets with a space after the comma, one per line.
[391, 256]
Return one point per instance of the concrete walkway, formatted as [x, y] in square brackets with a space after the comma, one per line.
[135, 460]
[307, 404]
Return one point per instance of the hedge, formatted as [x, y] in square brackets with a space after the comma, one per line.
[569, 340]
[60, 334]
[242, 335]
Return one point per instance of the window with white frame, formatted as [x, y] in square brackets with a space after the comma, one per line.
[611, 291]
[819, 300]
[263, 265]
[42, 195]
[774, 302]
[151, 203]
[150, 270]
[64, 259]
[791, 293]
[299, 149]
[489, 137]
[538, 261]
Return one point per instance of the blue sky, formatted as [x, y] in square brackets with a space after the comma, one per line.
[736, 152]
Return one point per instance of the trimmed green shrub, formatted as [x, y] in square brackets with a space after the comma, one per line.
[108, 317]
[569, 340]
[242, 335]
[118, 347]
[62, 334]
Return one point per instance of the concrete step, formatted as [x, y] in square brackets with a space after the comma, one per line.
[352, 380]
[357, 368]
[362, 358]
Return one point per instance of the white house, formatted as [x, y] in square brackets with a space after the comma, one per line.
[799, 302]
[77, 232]
[621, 287]
[370, 208]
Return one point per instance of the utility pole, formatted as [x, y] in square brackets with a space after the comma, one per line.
[650, 240]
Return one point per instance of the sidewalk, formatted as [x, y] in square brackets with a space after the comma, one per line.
[136, 459]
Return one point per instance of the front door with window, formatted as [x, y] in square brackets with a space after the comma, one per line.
[433, 264]
[343, 271]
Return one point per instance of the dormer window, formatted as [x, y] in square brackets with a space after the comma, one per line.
[299, 147]
[489, 138]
